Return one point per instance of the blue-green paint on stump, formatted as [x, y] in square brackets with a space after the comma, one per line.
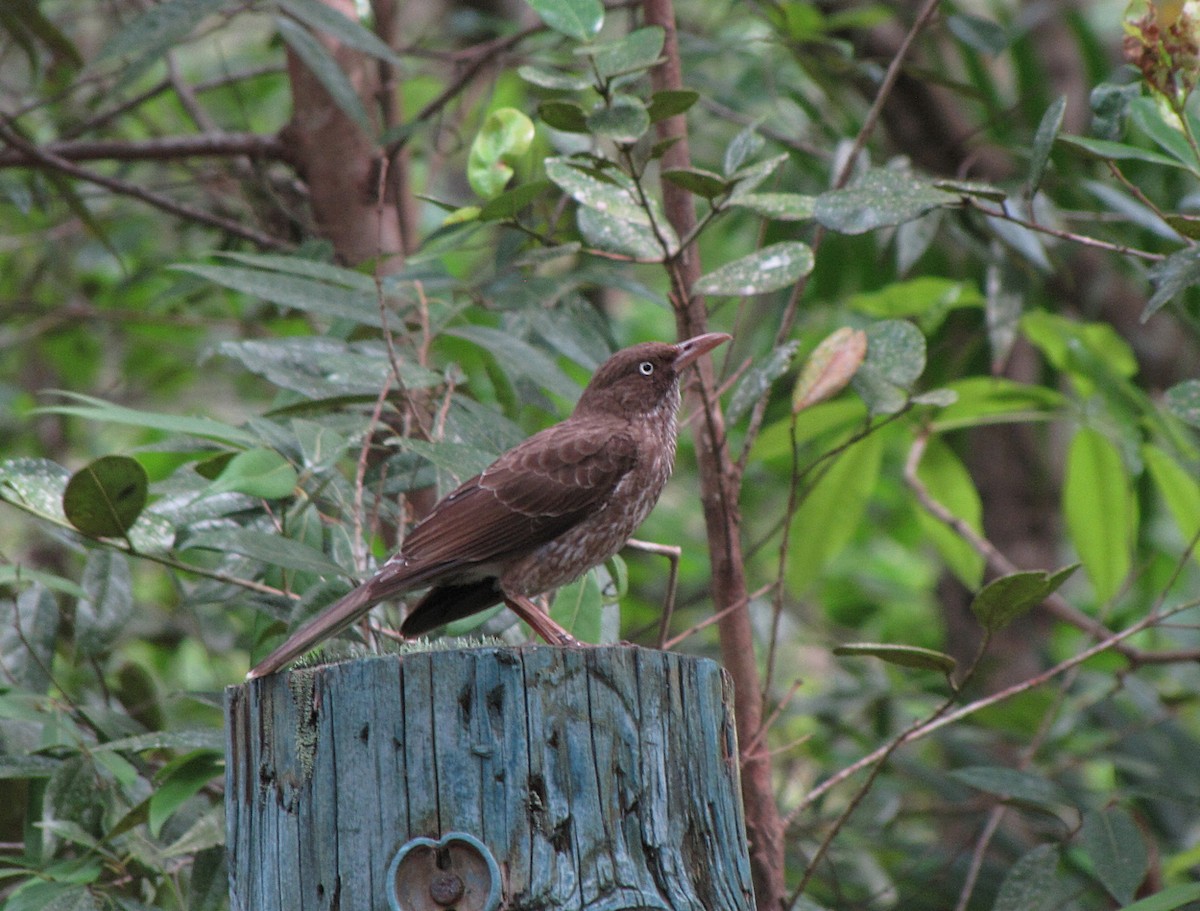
[603, 779]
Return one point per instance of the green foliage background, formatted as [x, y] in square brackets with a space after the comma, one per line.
[241, 390]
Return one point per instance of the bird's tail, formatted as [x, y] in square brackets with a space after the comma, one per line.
[329, 622]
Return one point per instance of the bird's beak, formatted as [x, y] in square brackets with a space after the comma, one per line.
[687, 351]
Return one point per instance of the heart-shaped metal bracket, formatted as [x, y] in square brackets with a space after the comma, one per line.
[454, 873]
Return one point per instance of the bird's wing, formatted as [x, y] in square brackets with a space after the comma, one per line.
[528, 496]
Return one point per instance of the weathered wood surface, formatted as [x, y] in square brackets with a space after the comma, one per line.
[603, 779]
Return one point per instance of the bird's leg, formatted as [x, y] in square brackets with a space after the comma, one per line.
[539, 621]
[673, 553]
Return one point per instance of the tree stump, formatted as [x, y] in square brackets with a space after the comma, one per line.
[478, 779]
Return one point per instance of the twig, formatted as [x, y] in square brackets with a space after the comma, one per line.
[672, 552]
[1055, 605]
[984, 702]
[714, 618]
[164, 148]
[124, 188]
[996, 816]
[1082, 239]
[479, 56]
[788, 318]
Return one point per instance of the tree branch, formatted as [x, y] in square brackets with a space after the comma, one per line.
[720, 485]
[124, 188]
[165, 148]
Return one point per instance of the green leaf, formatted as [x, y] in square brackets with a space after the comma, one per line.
[1180, 492]
[271, 549]
[830, 367]
[35, 485]
[1100, 510]
[105, 610]
[180, 780]
[460, 460]
[748, 178]
[1043, 141]
[304, 268]
[519, 358]
[28, 633]
[347, 31]
[697, 181]
[980, 34]
[949, 483]
[504, 138]
[105, 497]
[1029, 883]
[1011, 784]
[1186, 225]
[509, 204]
[1114, 844]
[622, 121]
[317, 59]
[151, 534]
[1183, 401]
[582, 609]
[320, 446]
[605, 232]
[320, 367]
[609, 198]
[1086, 352]
[970, 189]
[670, 102]
[258, 472]
[556, 80]
[831, 511]
[22, 19]
[1118, 151]
[320, 298]
[881, 198]
[637, 51]
[1172, 276]
[565, 116]
[94, 409]
[72, 898]
[29, 766]
[914, 656]
[744, 146]
[758, 379]
[189, 739]
[158, 28]
[779, 206]
[1148, 116]
[578, 19]
[1168, 899]
[1003, 600]
[769, 269]
[895, 361]
[927, 296]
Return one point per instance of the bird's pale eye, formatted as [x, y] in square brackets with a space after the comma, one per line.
[645, 368]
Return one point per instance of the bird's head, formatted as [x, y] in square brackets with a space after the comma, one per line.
[640, 379]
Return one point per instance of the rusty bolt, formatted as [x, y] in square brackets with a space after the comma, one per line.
[446, 888]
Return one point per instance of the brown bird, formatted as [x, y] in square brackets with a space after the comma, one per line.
[541, 515]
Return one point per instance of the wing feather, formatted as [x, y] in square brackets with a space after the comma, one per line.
[530, 495]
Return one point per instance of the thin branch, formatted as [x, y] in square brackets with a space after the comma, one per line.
[1055, 605]
[788, 318]
[163, 148]
[480, 56]
[978, 705]
[1082, 239]
[124, 188]
[924, 17]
